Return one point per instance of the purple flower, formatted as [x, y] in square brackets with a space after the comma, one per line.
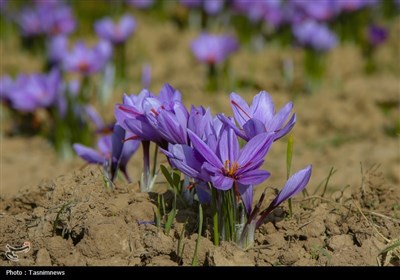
[112, 151]
[321, 10]
[57, 20]
[141, 4]
[228, 166]
[353, 5]
[213, 7]
[260, 117]
[377, 35]
[57, 49]
[146, 75]
[35, 91]
[30, 23]
[6, 85]
[141, 114]
[92, 156]
[213, 49]
[270, 11]
[116, 33]
[47, 19]
[293, 186]
[315, 35]
[87, 61]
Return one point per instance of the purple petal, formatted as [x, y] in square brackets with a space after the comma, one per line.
[183, 158]
[231, 124]
[286, 129]
[88, 154]
[104, 145]
[117, 138]
[142, 129]
[203, 192]
[254, 177]
[204, 150]
[228, 145]
[256, 149]
[246, 192]
[170, 128]
[262, 107]
[222, 182]
[254, 127]
[240, 109]
[279, 119]
[294, 185]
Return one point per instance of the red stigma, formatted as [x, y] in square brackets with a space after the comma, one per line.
[240, 108]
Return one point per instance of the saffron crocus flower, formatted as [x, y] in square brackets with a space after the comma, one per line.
[296, 183]
[213, 49]
[35, 91]
[260, 117]
[6, 84]
[90, 155]
[212, 7]
[57, 48]
[322, 10]
[230, 167]
[30, 23]
[116, 33]
[58, 20]
[112, 151]
[315, 35]
[85, 60]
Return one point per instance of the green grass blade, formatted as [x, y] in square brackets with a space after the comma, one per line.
[171, 217]
[391, 247]
[289, 157]
[167, 175]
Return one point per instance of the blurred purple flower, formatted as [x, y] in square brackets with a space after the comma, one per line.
[6, 85]
[46, 19]
[30, 23]
[141, 4]
[58, 20]
[315, 35]
[116, 33]
[213, 49]
[146, 75]
[35, 91]
[321, 10]
[270, 11]
[112, 151]
[353, 5]
[57, 48]
[87, 61]
[92, 156]
[212, 7]
[377, 35]
[260, 117]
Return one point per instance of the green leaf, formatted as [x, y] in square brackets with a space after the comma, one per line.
[171, 217]
[167, 175]
[391, 247]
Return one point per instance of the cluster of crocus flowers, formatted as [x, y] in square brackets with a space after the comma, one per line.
[207, 150]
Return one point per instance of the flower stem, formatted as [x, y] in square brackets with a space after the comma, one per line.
[144, 185]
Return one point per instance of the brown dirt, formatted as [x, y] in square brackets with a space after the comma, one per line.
[340, 125]
[74, 220]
